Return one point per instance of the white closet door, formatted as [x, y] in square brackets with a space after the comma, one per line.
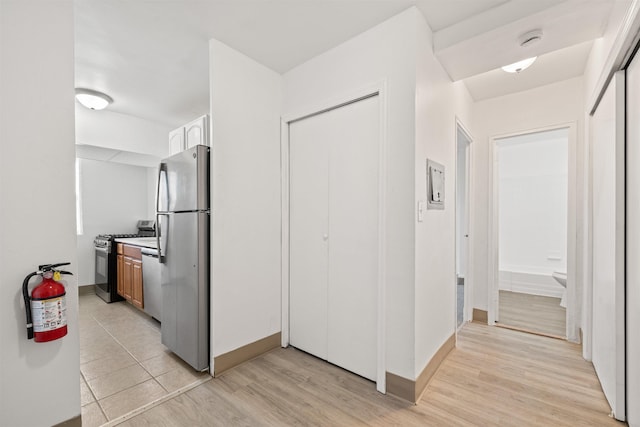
[308, 220]
[608, 205]
[334, 235]
[633, 243]
[353, 237]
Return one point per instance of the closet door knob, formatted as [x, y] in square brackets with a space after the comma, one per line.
[325, 237]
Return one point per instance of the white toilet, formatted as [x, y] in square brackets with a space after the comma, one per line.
[561, 277]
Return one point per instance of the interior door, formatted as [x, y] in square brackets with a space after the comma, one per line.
[308, 223]
[334, 190]
[607, 165]
[462, 224]
[353, 237]
[633, 242]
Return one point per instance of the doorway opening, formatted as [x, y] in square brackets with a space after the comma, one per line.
[531, 188]
[463, 162]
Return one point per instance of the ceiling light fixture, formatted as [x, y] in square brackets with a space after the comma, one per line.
[516, 67]
[526, 40]
[93, 99]
[530, 37]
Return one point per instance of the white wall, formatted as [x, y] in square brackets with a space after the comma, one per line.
[118, 131]
[530, 283]
[551, 105]
[385, 53]
[438, 103]
[152, 181]
[37, 206]
[114, 197]
[532, 192]
[246, 100]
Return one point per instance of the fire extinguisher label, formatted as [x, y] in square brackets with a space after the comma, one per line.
[49, 314]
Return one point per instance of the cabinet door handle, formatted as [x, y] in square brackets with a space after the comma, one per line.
[325, 237]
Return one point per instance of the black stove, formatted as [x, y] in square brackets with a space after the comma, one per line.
[117, 236]
[107, 258]
[105, 240]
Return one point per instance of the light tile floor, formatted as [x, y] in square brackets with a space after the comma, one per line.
[123, 364]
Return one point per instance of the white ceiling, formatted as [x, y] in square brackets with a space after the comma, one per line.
[152, 57]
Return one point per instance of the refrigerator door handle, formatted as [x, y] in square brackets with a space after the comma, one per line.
[162, 169]
[160, 237]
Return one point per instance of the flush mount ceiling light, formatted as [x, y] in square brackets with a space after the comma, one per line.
[530, 37]
[527, 39]
[93, 99]
[516, 67]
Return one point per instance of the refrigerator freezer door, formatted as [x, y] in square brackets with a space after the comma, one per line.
[183, 181]
[184, 277]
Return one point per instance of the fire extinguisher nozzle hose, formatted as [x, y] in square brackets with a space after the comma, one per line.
[48, 267]
[27, 304]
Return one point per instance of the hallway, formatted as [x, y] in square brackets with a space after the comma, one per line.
[494, 377]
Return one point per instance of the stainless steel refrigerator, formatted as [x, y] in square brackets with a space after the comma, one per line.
[182, 222]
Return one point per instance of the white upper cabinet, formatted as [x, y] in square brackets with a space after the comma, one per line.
[176, 141]
[197, 132]
[188, 136]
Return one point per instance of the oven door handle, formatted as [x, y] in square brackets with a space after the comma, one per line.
[103, 250]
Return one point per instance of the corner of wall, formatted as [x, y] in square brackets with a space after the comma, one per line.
[37, 156]
[246, 102]
[439, 102]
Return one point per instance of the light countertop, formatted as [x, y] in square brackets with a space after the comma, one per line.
[145, 242]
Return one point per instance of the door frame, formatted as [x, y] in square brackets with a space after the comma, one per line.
[572, 330]
[378, 89]
[467, 314]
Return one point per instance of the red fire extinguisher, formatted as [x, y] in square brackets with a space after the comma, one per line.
[46, 308]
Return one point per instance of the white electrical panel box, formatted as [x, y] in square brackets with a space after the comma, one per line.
[435, 185]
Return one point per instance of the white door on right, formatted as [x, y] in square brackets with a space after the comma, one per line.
[608, 244]
[334, 196]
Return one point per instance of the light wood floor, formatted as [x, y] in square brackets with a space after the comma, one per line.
[495, 377]
[533, 312]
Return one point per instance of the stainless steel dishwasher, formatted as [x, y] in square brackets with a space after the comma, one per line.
[151, 283]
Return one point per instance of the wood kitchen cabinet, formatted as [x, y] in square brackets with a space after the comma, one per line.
[136, 284]
[129, 268]
[128, 278]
